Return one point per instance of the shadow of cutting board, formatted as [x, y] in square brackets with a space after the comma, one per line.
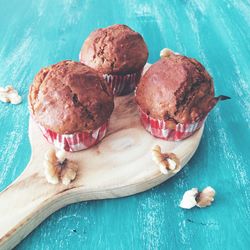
[120, 165]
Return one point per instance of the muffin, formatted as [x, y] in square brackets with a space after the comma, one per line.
[69, 102]
[174, 97]
[119, 54]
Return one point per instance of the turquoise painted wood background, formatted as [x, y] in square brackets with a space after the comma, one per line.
[37, 33]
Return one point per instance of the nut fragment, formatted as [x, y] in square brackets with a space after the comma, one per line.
[189, 199]
[68, 174]
[193, 197]
[165, 52]
[58, 168]
[206, 197]
[9, 94]
[60, 155]
[166, 161]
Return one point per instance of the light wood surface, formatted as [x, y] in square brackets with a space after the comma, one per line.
[120, 165]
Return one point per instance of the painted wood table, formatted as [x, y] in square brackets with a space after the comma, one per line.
[34, 34]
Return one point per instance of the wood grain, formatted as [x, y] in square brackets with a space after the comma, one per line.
[119, 166]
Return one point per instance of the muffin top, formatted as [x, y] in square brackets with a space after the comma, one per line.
[116, 49]
[176, 88]
[69, 97]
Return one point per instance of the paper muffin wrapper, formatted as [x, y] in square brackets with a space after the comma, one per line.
[77, 141]
[122, 84]
[159, 128]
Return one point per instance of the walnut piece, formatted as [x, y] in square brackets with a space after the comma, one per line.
[206, 197]
[189, 198]
[58, 168]
[167, 162]
[167, 52]
[9, 94]
[193, 197]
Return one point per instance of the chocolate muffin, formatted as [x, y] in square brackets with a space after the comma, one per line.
[176, 93]
[69, 102]
[119, 53]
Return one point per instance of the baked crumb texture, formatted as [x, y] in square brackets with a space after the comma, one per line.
[116, 49]
[69, 98]
[176, 89]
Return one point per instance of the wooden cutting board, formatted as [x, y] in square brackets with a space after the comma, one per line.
[120, 165]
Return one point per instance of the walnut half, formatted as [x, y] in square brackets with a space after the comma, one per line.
[166, 161]
[9, 94]
[193, 197]
[58, 168]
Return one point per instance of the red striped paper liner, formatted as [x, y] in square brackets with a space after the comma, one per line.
[122, 84]
[77, 141]
[159, 128]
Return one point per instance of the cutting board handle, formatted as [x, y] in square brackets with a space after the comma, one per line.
[30, 199]
[25, 204]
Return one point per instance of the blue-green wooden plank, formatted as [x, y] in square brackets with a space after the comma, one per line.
[217, 33]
